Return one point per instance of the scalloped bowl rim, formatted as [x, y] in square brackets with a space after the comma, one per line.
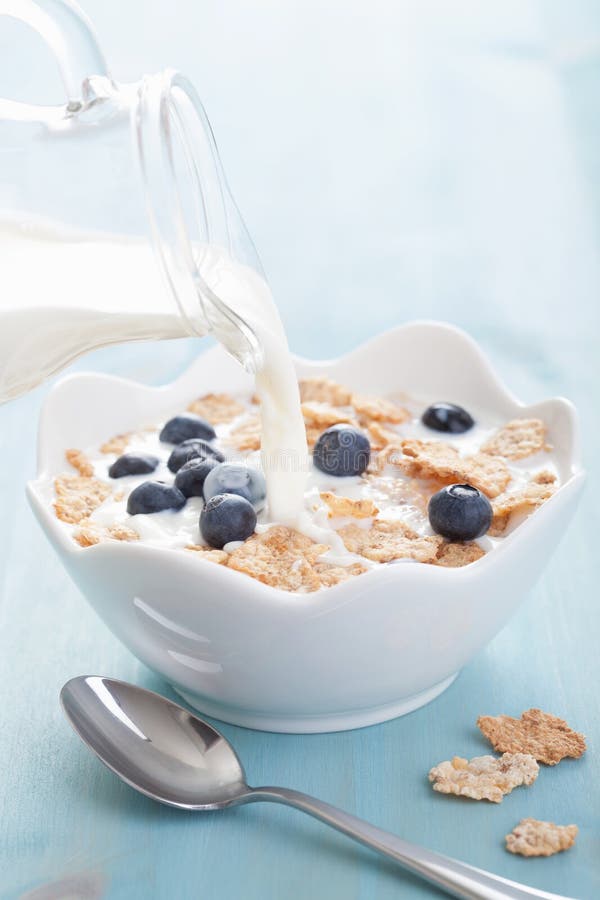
[344, 591]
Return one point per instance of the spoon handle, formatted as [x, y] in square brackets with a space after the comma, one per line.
[457, 878]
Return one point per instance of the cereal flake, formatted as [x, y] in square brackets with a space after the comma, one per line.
[324, 415]
[381, 437]
[246, 435]
[90, 533]
[79, 461]
[345, 506]
[216, 556]
[390, 454]
[534, 838]
[453, 555]
[317, 388]
[387, 540]
[400, 491]
[547, 738]
[280, 557]
[288, 560]
[77, 496]
[544, 477]
[525, 499]
[218, 409]
[517, 439]
[484, 777]
[436, 459]
[119, 532]
[329, 575]
[117, 444]
[378, 409]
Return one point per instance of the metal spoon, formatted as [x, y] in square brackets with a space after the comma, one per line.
[169, 754]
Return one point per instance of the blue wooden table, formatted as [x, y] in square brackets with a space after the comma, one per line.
[395, 161]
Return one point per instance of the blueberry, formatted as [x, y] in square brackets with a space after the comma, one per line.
[447, 417]
[460, 512]
[225, 518]
[190, 477]
[133, 464]
[154, 496]
[236, 478]
[183, 428]
[342, 450]
[192, 449]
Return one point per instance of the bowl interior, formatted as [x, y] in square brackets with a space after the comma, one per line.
[427, 360]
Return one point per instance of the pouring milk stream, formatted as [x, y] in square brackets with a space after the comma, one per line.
[43, 328]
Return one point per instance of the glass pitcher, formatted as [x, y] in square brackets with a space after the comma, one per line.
[111, 206]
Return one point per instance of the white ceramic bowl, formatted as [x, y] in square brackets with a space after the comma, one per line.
[364, 651]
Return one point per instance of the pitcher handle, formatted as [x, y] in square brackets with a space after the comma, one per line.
[69, 34]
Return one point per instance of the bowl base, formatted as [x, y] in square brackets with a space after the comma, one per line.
[314, 724]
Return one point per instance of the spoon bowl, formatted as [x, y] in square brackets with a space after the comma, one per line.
[154, 745]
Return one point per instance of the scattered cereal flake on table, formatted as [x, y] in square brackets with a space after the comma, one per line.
[484, 777]
[525, 499]
[438, 460]
[280, 557]
[546, 737]
[320, 389]
[324, 415]
[345, 506]
[517, 439]
[77, 496]
[246, 435]
[534, 838]
[386, 540]
[378, 409]
[217, 556]
[79, 461]
[218, 409]
[454, 555]
[382, 437]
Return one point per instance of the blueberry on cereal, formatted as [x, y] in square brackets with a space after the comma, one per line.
[191, 476]
[226, 518]
[192, 449]
[447, 417]
[185, 427]
[133, 464]
[342, 450]
[153, 497]
[236, 478]
[460, 512]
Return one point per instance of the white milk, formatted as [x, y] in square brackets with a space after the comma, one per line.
[284, 451]
[65, 293]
